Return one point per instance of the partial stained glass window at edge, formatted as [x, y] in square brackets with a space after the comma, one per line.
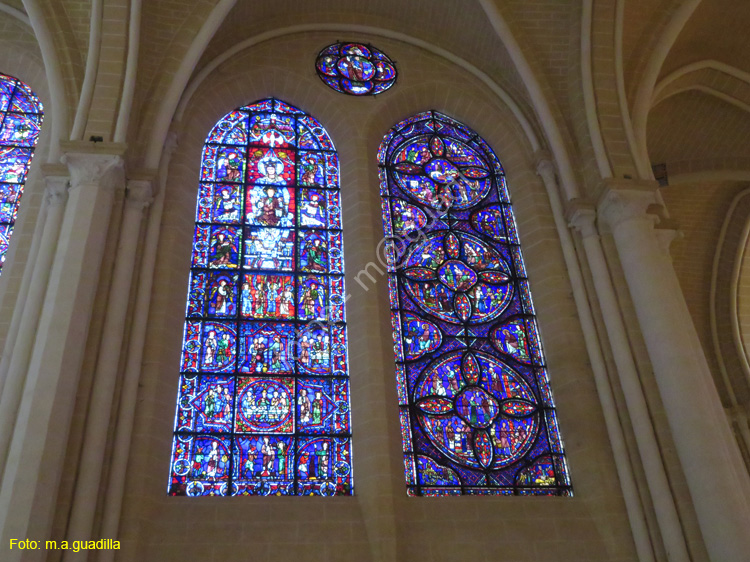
[263, 402]
[477, 415]
[22, 115]
[356, 69]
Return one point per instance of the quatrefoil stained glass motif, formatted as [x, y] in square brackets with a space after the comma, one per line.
[477, 415]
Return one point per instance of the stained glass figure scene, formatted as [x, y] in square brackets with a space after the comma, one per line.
[476, 410]
[356, 69]
[22, 116]
[263, 405]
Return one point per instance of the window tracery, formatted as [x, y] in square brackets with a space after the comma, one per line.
[477, 415]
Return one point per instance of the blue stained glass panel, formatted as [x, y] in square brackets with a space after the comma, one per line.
[9, 195]
[6, 93]
[263, 402]
[232, 129]
[14, 164]
[267, 347]
[220, 202]
[476, 410]
[21, 116]
[20, 129]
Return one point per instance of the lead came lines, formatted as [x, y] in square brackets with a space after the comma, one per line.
[265, 299]
[477, 415]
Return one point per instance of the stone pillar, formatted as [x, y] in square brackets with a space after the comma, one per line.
[631, 496]
[690, 399]
[80, 526]
[48, 171]
[583, 219]
[37, 452]
[18, 347]
[128, 395]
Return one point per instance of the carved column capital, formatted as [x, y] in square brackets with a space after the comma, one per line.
[666, 236]
[100, 164]
[56, 184]
[581, 216]
[171, 142]
[544, 165]
[94, 169]
[625, 200]
[140, 193]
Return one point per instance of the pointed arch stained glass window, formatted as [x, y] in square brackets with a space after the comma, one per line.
[477, 415]
[263, 405]
[22, 115]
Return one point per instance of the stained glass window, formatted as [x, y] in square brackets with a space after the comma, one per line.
[263, 405]
[22, 115]
[356, 69]
[476, 410]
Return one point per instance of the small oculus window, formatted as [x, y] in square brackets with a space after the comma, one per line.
[356, 69]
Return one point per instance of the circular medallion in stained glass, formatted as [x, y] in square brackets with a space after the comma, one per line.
[476, 410]
[355, 69]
